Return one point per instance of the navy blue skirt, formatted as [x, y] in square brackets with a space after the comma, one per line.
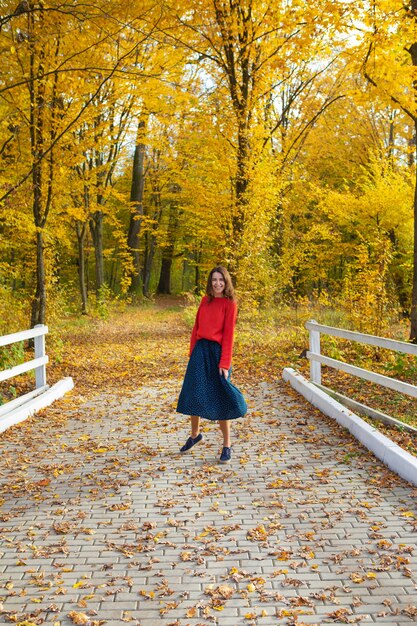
[204, 391]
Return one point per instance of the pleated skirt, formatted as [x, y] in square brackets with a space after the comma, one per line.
[204, 391]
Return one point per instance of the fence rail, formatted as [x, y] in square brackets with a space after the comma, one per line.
[317, 359]
[37, 331]
[38, 363]
[20, 408]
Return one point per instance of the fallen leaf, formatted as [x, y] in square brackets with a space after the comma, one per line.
[78, 618]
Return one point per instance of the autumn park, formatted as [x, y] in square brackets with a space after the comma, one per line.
[143, 144]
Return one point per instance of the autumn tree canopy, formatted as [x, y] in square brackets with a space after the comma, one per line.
[141, 143]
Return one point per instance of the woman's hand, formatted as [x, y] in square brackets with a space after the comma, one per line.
[224, 372]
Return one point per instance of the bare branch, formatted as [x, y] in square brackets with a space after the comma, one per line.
[2, 149]
[369, 78]
[309, 124]
[70, 124]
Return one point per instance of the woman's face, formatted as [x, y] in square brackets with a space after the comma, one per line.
[218, 284]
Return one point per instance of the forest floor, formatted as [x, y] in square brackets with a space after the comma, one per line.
[103, 522]
[267, 341]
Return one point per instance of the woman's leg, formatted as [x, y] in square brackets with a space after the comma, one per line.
[225, 428]
[195, 434]
[195, 426]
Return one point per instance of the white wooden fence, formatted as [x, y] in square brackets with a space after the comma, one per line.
[342, 409]
[20, 408]
[317, 359]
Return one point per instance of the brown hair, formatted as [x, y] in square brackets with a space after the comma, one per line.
[229, 291]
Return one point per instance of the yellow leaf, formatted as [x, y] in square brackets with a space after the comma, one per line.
[119, 507]
[225, 591]
[191, 612]
[370, 575]
[356, 578]
[218, 608]
[78, 618]
[251, 587]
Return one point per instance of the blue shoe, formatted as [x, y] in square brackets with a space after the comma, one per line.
[190, 443]
[226, 455]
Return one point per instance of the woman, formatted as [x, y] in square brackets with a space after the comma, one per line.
[207, 391]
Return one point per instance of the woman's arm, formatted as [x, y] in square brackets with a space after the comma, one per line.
[228, 336]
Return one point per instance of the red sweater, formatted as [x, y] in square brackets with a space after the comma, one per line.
[216, 321]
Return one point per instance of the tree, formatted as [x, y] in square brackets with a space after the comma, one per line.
[254, 52]
[60, 63]
[136, 199]
[389, 65]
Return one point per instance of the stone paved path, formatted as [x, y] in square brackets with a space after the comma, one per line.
[111, 526]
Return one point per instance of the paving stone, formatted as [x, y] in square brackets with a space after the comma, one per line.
[291, 513]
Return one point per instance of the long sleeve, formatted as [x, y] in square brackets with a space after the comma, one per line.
[228, 335]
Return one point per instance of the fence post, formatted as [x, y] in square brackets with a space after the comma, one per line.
[40, 372]
[315, 366]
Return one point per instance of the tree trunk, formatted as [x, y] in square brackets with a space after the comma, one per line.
[147, 268]
[391, 137]
[411, 147]
[39, 301]
[96, 229]
[197, 278]
[81, 229]
[164, 284]
[114, 270]
[184, 273]
[136, 198]
[36, 129]
[12, 262]
[151, 240]
[413, 316]
[242, 182]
